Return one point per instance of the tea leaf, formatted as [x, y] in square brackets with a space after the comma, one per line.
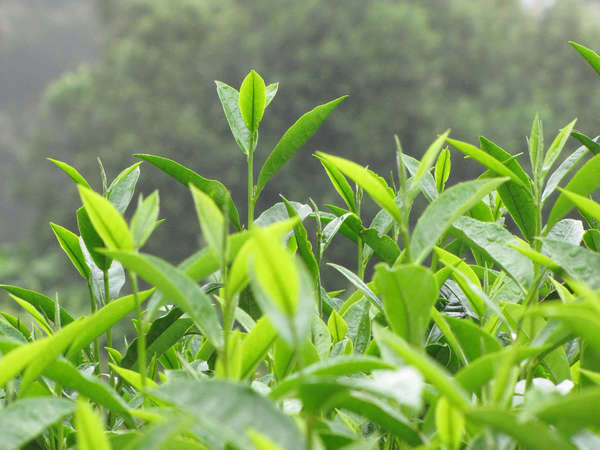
[517, 199]
[256, 345]
[177, 287]
[144, 221]
[304, 245]
[536, 146]
[591, 144]
[120, 192]
[210, 218]
[270, 92]
[252, 100]
[426, 162]
[67, 375]
[556, 147]
[23, 420]
[431, 370]
[532, 434]
[107, 221]
[294, 138]
[103, 319]
[42, 303]
[450, 424]
[562, 171]
[225, 410]
[368, 181]
[337, 327]
[577, 411]
[442, 169]
[359, 284]
[585, 204]
[585, 181]
[69, 242]
[90, 431]
[214, 189]
[340, 183]
[91, 241]
[580, 263]
[71, 172]
[229, 98]
[408, 291]
[441, 213]
[492, 239]
[590, 56]
[487, 160]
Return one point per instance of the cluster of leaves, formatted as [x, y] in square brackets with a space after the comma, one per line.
[466, 336]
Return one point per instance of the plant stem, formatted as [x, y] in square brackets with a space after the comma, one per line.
[360, 265]
[141, 342]
[106, 302]
[94, 307]
[251, 198]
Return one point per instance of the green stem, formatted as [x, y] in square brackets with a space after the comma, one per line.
[251, 198]
[360, 265]
[106, 302]
[94, 307]
[141, 342]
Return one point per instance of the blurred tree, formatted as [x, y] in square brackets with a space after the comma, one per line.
[412, 67]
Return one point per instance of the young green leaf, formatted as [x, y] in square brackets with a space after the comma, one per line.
[256, 345]
[585, 181]
[304, 245]
[294, 138]
[229, 98]
[439, 216]
[367, 180]
[359, 284]
[215, 189]
[562, 171]
[408, 291]
[450, 424]
[487, 160]
[442, 169]
[144, 221]
[590, 56]
[120, 191]
[579, 262]
[23, 420]
[340, 183]
[71, 172]
[556, 147]
[493, 240]
[252, 100]
[337, 327]
[517, 199]
[90, 431]
[107, 221]
[69, 242]
[104, 319]
[426, 162]
[536, 146]
[270, 92]
[211, 220]
[91, 240]
[177, 287]
[41, 302]
[588, 206]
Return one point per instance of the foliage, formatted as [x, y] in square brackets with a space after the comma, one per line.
[410, 65]
[467, 335]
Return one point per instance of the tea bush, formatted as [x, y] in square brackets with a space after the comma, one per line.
[466, 335]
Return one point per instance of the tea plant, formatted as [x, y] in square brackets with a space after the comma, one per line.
[466, 335]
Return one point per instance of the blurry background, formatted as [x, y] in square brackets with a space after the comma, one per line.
[81, 79]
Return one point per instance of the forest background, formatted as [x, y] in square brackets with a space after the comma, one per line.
[109, 78]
